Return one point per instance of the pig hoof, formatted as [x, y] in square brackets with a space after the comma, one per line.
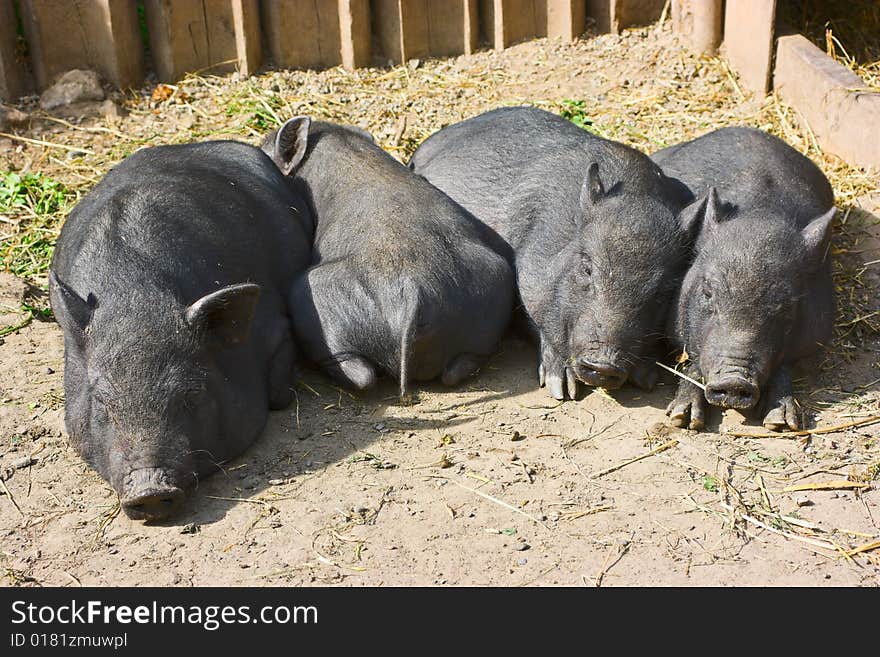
[555, 386]
[783, 416]
[542, 379]
[687, 415]
[571, 382]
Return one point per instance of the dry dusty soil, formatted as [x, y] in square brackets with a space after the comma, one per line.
[493, 483]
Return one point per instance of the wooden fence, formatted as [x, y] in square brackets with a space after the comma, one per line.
[120, 39]
[840, 110]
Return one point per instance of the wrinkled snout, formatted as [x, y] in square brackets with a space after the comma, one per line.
[732, 391]
[151, 496]
[600, 373]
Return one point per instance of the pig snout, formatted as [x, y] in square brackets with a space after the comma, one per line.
[602, 373]
[151, 495]
[732, 391]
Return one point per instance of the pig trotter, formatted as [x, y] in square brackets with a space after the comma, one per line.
[688, 409]
[553, 374]
[781, 411]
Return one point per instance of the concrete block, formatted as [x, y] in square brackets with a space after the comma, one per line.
[842, 113]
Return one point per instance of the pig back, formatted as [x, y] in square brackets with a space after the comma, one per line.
[188, 219]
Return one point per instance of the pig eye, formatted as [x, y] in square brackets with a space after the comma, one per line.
[707, 293]
[586, 268]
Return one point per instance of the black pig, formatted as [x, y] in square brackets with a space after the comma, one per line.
[403, 280]
[759, 295]
[169, 280]
[592, 228]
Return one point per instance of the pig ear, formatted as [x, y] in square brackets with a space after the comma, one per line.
[77, 311]
[593, 189]
[816, 235]
[705, 211]
[290, 143]
[226, 314]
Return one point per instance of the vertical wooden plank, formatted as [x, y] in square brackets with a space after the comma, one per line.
[520, 20]
[601, 12]
[487, 21]
[13, 78]
[246, 25]
[445, 24]
[615, 15]
[303, 33]
[628, 13]
[422, 28]
[748, 40]
[202, 35]
[566, 18]
[510, 21]
[387, 27]
[354, 33]
[102, 35]
[699, 23]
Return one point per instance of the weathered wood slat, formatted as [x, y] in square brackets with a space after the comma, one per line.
[506, 22]
[203, 35]
[420, 28]
[102, 35]
[303, 33]
[748, 40]
[699, 23]
[354, 33]
[13, 74]
[615, 15]
[566, 18]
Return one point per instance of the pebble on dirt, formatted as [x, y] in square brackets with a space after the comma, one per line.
[75, 86]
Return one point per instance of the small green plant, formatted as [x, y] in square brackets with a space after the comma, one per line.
[260, 108]
[32, 192]
[33, 204]
[710, 483]
[576, 112]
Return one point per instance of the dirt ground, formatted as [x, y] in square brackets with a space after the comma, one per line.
[493, 483]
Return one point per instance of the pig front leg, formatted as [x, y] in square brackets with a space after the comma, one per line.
[282, 365]
[554, 374]
[282, 375]
[781, 410]
[688, 409]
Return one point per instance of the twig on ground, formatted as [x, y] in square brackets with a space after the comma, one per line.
[40, 142]
[662, 448]
[495, 500]
[11, 499]
[827, 485]
[804, 432]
